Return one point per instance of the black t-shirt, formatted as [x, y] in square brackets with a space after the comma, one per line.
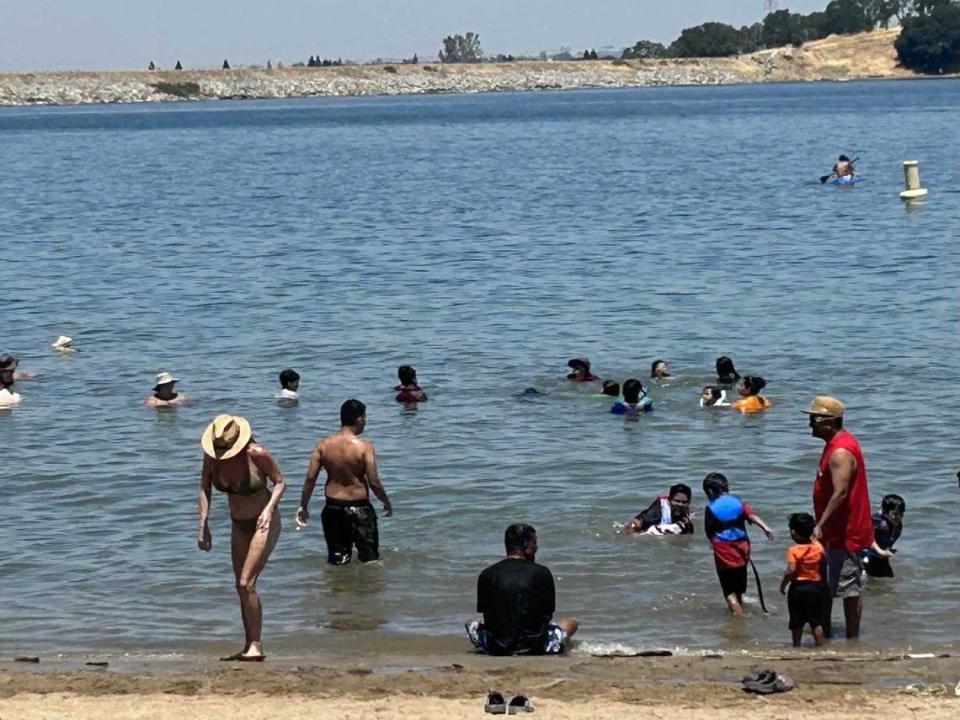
[517, 599]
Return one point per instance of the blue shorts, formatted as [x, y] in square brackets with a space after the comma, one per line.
[484, 642]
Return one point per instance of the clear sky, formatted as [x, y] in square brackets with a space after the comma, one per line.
[122, 34]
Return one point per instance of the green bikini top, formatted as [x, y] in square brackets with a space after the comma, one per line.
[253, 484]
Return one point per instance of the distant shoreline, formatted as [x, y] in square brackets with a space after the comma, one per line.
[854, 57]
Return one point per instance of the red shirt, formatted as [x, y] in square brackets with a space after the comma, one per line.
[850, 526]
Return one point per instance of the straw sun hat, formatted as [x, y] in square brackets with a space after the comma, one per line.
[226, 436]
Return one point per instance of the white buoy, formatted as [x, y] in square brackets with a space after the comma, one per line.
[911, 181]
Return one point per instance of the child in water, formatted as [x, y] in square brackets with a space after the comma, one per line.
[887, 526]
[289, 386]
[667, 515]
[751, 401]
[805, 598]
[635, 399]
[408, 391]
[713, 396]
[726, 372]
[724, 522]
[611, 388]
[580, 370]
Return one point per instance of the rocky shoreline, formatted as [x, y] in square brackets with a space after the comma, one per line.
[844, 58]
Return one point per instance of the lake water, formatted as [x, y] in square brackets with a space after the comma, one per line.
[485, 239]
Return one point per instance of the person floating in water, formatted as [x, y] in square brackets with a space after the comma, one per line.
[8, 396]
[580, 370]
[725, 524]
[659, 370]
[667, 515]
[726, 372]
[517, 598]
[635, 399]
[751, 401]
[805, 598]
[611, 389]
[289, 387]
[887, 526]
[408, 391]
[163, 394]
[11, 362]
[63, 344]
[843, 168]
[348, 518]
[713, 396]
[235, 464]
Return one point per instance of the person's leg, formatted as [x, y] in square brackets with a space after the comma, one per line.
[830, 572]
[818, 638]
[366, 534]
[240, 536]
[852, 583]
[852, 609]
[261, 545]
[797, 634]
[337, 530]
[569, 626]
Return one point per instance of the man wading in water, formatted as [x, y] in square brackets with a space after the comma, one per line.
[348, 518]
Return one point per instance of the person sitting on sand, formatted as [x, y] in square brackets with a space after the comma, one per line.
[843, 167]
[580, 368]
[659, 370]
[667, 515]
[516, 598]
[289, 387]
[408, 391]
[726, 372]
[713, 396]
[725, 523]
[11, 362]
[235, 464]
[163, 394]
[635, 400]
[8, 396]
[751, 401]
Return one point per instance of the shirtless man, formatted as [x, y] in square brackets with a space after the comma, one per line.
[163, 394]
[844, 167]
[348, 518]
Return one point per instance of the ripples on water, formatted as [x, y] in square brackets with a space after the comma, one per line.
[485, 239]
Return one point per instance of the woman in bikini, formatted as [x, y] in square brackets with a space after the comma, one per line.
[235, 464]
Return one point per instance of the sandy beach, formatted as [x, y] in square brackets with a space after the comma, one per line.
[829, 684]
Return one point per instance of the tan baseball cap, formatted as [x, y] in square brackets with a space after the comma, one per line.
[825, 405]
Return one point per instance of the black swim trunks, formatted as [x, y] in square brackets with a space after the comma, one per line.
[733, 580]
[805, 602]
[347, 523]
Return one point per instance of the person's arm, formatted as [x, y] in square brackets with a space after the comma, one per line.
[754, 519]
[313, 471]
[549, 593]
[204, 540]
[875, 546]
[709, 524]
[268, 466]
[788, 575]
[843, 466]
[373, 479]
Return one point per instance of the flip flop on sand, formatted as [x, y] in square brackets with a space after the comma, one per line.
[240, 657]
[496, 704]
[518, 704]
[766, 682]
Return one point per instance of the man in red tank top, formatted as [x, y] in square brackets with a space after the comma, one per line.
[841, 504]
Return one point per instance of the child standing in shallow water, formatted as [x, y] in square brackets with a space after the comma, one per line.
[805, 598]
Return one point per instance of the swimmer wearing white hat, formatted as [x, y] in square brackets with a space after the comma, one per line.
[163, 394]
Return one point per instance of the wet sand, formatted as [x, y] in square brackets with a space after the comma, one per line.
[454, 686]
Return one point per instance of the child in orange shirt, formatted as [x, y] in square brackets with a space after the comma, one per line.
[751, 401]
[805, 599]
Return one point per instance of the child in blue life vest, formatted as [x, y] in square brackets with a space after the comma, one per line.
[635, 399]
[724, 522]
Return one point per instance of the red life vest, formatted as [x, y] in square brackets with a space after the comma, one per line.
[850, 526]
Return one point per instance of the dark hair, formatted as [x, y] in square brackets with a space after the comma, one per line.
[6, 378]
[653, 367]
[579, 364]
[631, 390]
[517, 537]
[351, 411]
[725, 369]
[715, 484]
[802, 525]
[844, 158]
[406, 374]
[611, 388]
[754, 384]
[893, 502]
[288, 377]
[715, 392]
[679, 488]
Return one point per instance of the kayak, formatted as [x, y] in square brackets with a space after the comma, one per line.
[848, 180]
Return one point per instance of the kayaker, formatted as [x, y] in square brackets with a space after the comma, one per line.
[844, 167]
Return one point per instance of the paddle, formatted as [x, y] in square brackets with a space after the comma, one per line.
[824, 178]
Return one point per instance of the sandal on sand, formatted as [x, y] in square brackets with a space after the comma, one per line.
[766, 682]
[240, 657]
[496, 704]
[518, 704]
